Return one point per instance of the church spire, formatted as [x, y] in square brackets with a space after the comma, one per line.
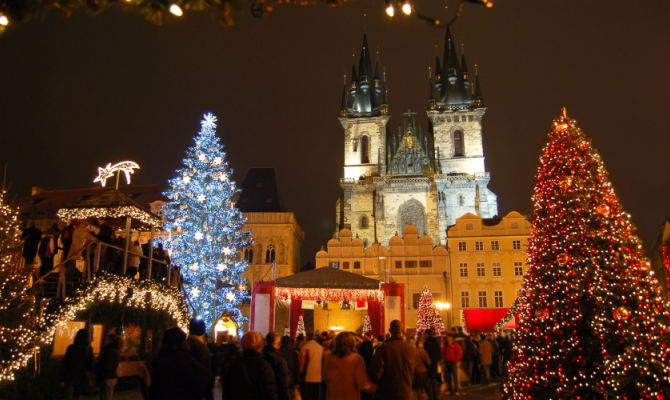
[464, 68]
[477, 95]
[450, 60]
[366, 86]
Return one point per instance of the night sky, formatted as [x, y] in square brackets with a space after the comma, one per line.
[80, 92]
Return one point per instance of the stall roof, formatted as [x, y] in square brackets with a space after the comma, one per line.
[328, 278]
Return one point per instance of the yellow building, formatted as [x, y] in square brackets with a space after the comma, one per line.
[488, 262]
[411, 259]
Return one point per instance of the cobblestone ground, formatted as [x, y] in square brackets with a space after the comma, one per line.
[479, 392]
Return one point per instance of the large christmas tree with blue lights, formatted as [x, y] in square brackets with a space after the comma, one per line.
[206, 227]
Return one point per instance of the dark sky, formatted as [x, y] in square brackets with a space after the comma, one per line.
[76, 93]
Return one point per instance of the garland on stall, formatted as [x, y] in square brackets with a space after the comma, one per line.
[508, 317]
[286, 293]
[112, 288]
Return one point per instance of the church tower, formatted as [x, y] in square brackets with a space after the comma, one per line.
[363, 116]
[455, 111]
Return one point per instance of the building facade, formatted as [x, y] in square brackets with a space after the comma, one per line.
[488, 262]
[423, 178]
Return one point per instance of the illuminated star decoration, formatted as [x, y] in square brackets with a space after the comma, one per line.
[127, 167]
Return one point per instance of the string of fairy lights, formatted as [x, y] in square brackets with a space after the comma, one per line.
[592, 320]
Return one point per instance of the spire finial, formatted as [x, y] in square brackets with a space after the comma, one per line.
[564, 111]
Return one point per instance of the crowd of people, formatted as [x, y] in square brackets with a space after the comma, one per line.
[46, 249]
[315, 366]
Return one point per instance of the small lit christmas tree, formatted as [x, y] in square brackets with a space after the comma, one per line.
[367, 327]
[428, 316]
[207, 237]
[592, 321]
[16, 309]
[300, 330]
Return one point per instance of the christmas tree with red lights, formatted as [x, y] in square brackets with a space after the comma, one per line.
[428, 316]
[592, 321]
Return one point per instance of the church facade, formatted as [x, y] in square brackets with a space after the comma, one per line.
[426, 178]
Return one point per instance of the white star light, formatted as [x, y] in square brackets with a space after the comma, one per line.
[216, 161]
[195, 292]
[194, 265]
[220, 266]
[198, 235]
[187, 179]
[209, 121]
[230, 296]
[227, 251]
[201, 198]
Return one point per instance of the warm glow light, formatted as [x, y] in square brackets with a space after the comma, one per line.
[407, 8]
[127, 167]
[4, 21]
[176, 10]
[390, 10]
[442, 306]
[489, 4]
[336, 328]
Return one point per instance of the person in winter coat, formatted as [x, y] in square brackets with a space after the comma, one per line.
[278, 364]
[292, 362]
[199, 350]
[46, 251]
[108, 363]
[434, 350]
[250, 377]
[31, 239]
[393, 366]
[134, 253]
[177, 375]
[78, 361]
[421, 380]
[485, 358]
[344, 370]
[469, 357]
[311, 358]
[452, 353]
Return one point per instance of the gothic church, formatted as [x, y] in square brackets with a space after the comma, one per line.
[427, 179]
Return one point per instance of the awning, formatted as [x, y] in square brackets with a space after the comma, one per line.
[483, 319]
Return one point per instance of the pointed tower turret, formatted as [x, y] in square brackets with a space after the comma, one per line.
[366, 85]
[464, 69]
[450, 60]
[477, 94]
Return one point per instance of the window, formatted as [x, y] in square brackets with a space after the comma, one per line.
[482, 299]
[468, 227]
[410, 264]
[465, 299]
[463, 267]
[458, 144]
[481, 269]
[398, 264]
[498, 299]
[479, 245]
[516, 244]
[249, 255]
[495, 245]
[416, 298]
[334, 264]
[357, 265]
[345, 265]
[270, 255]
[518, 268]
[497, 270]
[425, 263]
[462, 246]
[461, 201]
[365, 150]
[364, 222]
[515, 225]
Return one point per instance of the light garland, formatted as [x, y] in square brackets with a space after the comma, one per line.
[111, 212]
[286, 293]
[16, 313]
[110, 288]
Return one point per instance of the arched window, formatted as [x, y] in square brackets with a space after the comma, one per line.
[461, 200]
[270, 255]
[365, 150]
[458, 144]
[249, 255]
[364, 222]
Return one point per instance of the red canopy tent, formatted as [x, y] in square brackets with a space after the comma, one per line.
[483, 319]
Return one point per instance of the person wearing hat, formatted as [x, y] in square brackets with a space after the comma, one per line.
[393, 366]
[199, 350]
